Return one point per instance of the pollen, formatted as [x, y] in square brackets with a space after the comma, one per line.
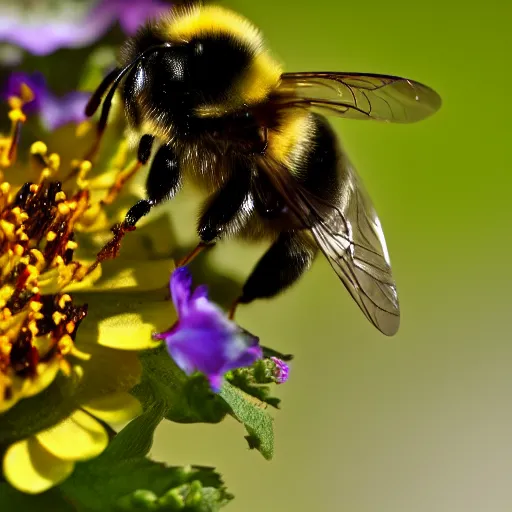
[38, 148]
[38, 257]
[18, 250]
[32, 327]
[64, 299]
[54, 160]
[57, 317]
[38, 320]
[26, 93]
[36, 306]
[64, 209]
[38, 221]
[16, 104]
[65, 344]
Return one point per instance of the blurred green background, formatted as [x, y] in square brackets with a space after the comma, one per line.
[423, 421]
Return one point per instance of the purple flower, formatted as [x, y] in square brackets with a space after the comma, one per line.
[281, 371]
[40, 28]
[54, 111]
[204, 339]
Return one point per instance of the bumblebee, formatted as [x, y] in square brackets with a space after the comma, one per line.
[210, 102]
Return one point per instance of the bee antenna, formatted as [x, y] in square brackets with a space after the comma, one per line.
[109, 80]
[95, 100]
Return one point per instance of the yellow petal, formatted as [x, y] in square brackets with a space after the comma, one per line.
[107, 371]
[104, 181]
[125, 321]
[128, 275]
[114, 408]
[30, 468]
[93, 220]
[127, 332]
[78, 437]
[46, 373]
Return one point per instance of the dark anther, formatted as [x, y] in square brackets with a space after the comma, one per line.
[22, 195]
[23, 355]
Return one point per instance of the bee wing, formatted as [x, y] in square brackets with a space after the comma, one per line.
[359, 96]
[350, 235]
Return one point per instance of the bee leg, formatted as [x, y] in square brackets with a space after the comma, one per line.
[198, 249]
[164, 180]
[223, 211]
[143, 154]
[280, 267]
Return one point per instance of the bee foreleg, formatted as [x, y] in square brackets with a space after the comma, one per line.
[280, 267]
[163, 181]
[223, 208]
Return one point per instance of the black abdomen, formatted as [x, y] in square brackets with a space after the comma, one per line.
[317, 168]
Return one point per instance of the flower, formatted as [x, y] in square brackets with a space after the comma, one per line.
[204, 339]
[64, 367]
[45, 459]
[54, 111]
[281, 370]
[129, 13]
[42, 27]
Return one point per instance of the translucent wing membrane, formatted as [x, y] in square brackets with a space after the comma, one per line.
[350, 235]
[360, 96]
[352, 239]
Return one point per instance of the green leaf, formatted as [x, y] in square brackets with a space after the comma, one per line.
[136, 438]
[141, 484]
[186, 399]
[201, 491]
[248, 410]
[243, 381]
[16, 501]
[122, 478]
[254, 381]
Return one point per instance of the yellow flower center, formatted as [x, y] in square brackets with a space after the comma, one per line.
[38, 320]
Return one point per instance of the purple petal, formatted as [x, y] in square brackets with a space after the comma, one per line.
[58, 111]
[282, 370]
[135, 12]
[75, 25]
[199, 349]
[180, 285]
[54, 111]
[203, 314]
[216, 382]
[247, 358]
[35, 81]
[201, 292]
[204, 339]
[48, 31]
[210, 352]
